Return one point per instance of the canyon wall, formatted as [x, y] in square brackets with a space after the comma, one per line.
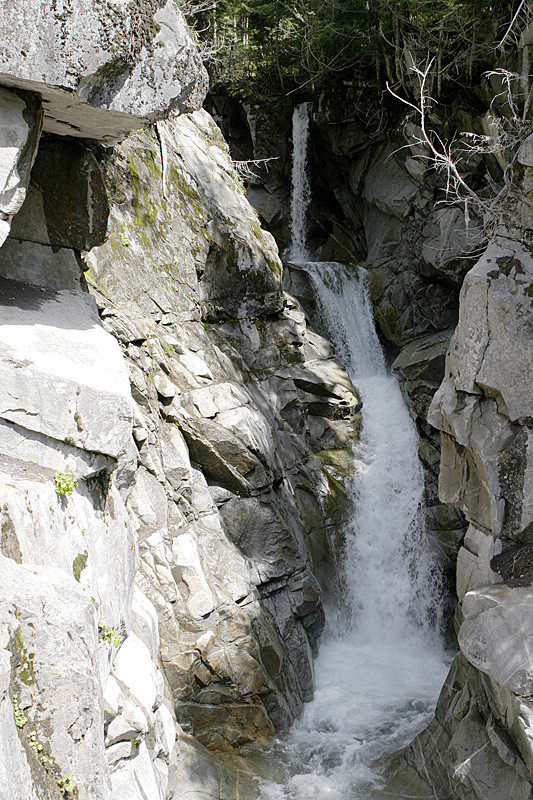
[454, 310]
[175, 440]
[175, 437]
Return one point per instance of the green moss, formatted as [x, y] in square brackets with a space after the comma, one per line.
[79, 564]
[341, 460]
[26, 669]
[151, 165]
[336, 505]
[167, 348]
[388, 320]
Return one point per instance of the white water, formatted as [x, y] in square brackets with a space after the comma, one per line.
[301, 192]
[381, 663]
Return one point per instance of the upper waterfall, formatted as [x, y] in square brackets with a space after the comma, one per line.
[301, 191]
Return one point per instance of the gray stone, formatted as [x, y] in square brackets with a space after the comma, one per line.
[50, 454]
[136, 780]
[423, 359]
[191, 577]
[474, 562]
[164, 387]
[39, 527]
[137, 674]
[15, 773]
[85, 402]
[148, 503]
[223, 456]
[58, 626]
[38, 265]
[388, 187]
[20, 129]
[465, 752]
[495, 299]
[496, 633]
[144, 622]
[66, 204]
[102, 70]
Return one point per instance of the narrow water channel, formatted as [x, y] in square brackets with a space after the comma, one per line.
[381, 662]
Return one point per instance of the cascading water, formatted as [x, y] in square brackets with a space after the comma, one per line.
[301, 192]
[380, 665]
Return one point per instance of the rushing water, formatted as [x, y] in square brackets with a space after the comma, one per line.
[381, 663]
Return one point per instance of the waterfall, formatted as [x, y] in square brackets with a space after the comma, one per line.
[381, 665]
[301, 192]
[390, 575]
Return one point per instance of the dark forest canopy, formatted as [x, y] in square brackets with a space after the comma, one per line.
[271, 48]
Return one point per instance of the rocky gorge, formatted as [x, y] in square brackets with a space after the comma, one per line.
[177, 432]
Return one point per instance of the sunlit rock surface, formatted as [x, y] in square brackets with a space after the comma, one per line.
[187, 493]
[480, 744]
[234, 399]
[101, 69]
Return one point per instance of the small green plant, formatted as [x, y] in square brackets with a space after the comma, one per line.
[65, 783]
[124, 240]
[108, 633]
[20, 717]
[65, 483]
[286, 348]
[38, 749]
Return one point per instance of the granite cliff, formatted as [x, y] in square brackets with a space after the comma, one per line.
[174, 439]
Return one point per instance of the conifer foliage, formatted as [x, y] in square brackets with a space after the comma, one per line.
[270, 48]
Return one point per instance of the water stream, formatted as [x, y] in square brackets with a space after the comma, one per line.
[381, 663]
[301, 190]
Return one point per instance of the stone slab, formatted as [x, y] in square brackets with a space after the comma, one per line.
[61, 374]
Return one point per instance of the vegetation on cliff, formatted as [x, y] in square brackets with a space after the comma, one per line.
[271, 48]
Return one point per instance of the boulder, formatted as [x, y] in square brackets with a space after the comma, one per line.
[103, 69]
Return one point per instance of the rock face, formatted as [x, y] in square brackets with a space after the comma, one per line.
[175, 441]
[101, 69]
[235, 397]
[480, 744]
